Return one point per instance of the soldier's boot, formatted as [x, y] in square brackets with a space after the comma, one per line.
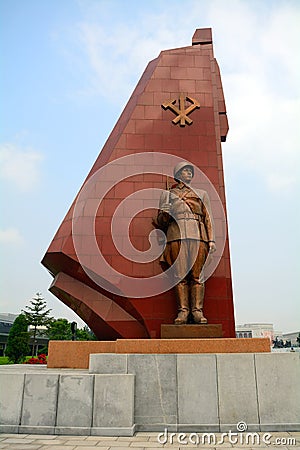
[182, 295]
[197, 300]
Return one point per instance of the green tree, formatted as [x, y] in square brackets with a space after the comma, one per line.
[18, 340]
[37, 315]
[59, 330]
[85, 334]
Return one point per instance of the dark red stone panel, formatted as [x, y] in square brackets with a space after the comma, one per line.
[203, 61]
[131, 127]
[212, 159]
[168, 59]
[212, 174]
[154, 85]
[144, 127]
[202, 36]
[163, 72]
[57, 244]
[169, 86]
[68, 248]
[154, 142]
[188, 85]
[179, 73]
[171, 142]
[207, 73]
[187, 61]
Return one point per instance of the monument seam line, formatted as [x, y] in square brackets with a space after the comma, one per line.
[160, 388]
[177, 392]
[57, 394]
[93, 395]
[218, 393]
[22, 401]
[256, 388]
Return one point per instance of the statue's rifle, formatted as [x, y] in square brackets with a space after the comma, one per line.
[168, 186]
[162, 226]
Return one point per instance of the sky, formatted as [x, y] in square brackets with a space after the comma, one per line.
[68, 67]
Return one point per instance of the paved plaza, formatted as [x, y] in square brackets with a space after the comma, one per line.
[141, 440]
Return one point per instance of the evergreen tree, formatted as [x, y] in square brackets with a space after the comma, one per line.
[59, 330]
[37, 315]
[85, 334]
[18, 340]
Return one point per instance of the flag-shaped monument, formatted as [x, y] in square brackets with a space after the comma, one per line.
[105, 255]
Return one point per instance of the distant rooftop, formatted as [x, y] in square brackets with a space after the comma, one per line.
[8, 317]
[255, 325]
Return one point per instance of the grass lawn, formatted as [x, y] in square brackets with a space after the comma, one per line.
[4, 360]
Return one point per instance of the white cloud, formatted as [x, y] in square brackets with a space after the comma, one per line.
[280, 45]
[116, 59]
[264, 131]
[112, 56]
[11, 236]
[260, 67]
[257, 49]
[19, 166]
[279, 182]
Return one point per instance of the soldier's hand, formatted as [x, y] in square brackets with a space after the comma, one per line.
[212, 247]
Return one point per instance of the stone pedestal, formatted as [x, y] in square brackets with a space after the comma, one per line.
[191, 331]
[124, 393]
[75, 354]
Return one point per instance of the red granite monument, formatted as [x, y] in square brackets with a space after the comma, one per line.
[177, 111]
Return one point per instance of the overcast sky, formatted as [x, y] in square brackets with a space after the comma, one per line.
[68, 68]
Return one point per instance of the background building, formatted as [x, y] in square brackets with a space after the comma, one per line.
[291, 337]
[283, 341]
[255, 330]
[6, 322]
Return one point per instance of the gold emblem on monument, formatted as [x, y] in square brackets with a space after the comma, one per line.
[181, 111]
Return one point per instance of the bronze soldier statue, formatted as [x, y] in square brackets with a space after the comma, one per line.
[186, 215]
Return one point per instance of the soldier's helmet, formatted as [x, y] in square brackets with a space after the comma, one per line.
[181, 166]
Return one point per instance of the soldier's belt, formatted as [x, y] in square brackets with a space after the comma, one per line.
[188, 216]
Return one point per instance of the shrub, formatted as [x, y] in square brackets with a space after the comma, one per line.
[41, 359]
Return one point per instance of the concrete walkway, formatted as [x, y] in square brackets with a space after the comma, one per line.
[142, 440]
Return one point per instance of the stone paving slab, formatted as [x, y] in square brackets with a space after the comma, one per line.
[141, 441]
